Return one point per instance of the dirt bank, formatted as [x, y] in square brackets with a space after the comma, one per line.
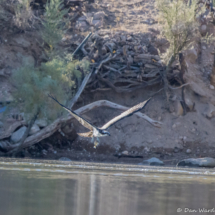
[180, 135]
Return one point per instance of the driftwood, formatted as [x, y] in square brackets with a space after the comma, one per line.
[21, 143]
[11, 129]
[104, 61]
[80, 90]
[49, 130]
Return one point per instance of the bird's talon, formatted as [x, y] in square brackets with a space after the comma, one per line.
[96, 144]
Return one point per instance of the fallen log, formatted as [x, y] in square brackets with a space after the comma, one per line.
[50, 129]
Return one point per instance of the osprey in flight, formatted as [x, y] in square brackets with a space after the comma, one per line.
[96, 132]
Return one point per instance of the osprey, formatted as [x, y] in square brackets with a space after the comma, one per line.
[96, 132]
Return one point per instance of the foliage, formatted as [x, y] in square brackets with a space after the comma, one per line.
[179, 24]
[54, 22]
[60, 76]
[34, 84]
[23, 13]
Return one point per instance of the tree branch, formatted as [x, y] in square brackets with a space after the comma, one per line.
[50, 129]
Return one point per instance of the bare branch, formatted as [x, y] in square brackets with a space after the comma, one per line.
[50, 129]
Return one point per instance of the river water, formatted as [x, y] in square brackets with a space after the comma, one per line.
[50, 188]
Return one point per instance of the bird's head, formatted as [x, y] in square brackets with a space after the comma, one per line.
[104, 132]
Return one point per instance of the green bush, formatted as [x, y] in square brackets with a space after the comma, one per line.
[179, 24]
[34, 84]
[54, 23]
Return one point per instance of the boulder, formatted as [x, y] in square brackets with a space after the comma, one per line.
[41, 123]
[197, 162]
[17, 135]
[192, 55]
[34, 129]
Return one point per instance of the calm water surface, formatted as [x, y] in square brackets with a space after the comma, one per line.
[41, 189]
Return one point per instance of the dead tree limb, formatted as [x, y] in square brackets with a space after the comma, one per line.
[50, 129]
[21, 143]
[104, 61]
[83, 42]
[80, 90]
[11, 129]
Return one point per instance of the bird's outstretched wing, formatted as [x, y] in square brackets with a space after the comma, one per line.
[87, 134]
[127, 113]
[83, 121]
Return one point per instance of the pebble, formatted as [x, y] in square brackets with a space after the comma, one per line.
[125, 153]
[188, 151]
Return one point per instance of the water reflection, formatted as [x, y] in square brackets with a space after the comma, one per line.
[101, 193]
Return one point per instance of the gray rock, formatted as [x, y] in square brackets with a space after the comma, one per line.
[23, 42]
[17, 135]
[97, 23]
[41, 123]
[82, 25]
[1, 124]
[197, 162]
[203, 29]
[99, 15]
[34, 129]
[176, 149]
[6, 97]
[82, 18]
[4, 144]
[188, 151]
[44, 152]
[191, 55]
[125, 153]
[64, 159]
[153, 162]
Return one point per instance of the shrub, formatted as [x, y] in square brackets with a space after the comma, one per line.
[34, 84]
[178, 23]
[54, 22]
[24, 14]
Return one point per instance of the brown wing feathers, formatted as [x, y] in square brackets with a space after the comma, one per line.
[80, 119]
[88, 125]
